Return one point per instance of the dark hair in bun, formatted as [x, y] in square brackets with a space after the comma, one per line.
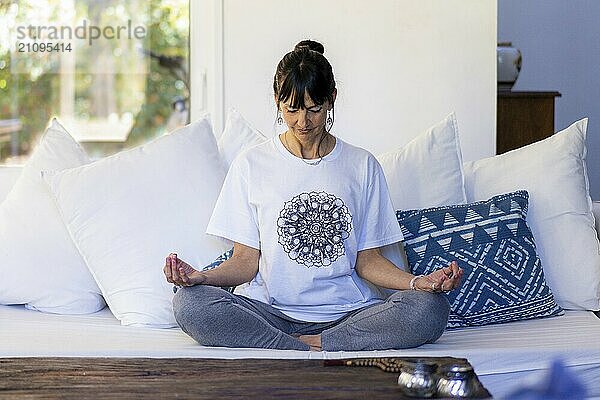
[304, 70]
[310, 45]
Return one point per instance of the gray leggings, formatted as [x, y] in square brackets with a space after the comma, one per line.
[215, 317]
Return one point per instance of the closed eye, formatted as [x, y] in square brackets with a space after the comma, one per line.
[316, 109]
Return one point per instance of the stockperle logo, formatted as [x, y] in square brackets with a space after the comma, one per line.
[85, 31]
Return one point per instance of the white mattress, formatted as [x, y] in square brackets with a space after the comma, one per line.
[502, 355]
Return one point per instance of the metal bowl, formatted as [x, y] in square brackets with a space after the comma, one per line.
[418, 379]
[457, 381]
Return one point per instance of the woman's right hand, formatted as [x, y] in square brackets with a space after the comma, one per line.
[181, 273]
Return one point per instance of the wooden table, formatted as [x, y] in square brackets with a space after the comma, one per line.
[114, 378]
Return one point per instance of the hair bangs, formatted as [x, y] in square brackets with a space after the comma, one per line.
[298, 82]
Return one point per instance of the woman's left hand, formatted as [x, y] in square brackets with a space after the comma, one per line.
[442, 280]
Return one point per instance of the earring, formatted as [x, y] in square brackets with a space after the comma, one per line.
[329, 121]
[279, 118]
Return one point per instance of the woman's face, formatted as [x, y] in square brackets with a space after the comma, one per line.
[307, 122]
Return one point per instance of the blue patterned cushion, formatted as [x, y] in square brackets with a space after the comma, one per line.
[503, 278]
[218, 261]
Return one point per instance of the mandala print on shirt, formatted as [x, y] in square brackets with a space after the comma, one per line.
[312, 228]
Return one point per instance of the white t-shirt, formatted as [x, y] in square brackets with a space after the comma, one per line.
[309, 222]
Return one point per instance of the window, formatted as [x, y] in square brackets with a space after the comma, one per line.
[114, 72]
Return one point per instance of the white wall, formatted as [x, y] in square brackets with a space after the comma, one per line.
[206, 60]
[560, 42]
[400, 65]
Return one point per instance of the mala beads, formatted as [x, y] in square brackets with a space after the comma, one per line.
[385, 364]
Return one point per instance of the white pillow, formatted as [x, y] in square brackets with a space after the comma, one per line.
[560, 210]
[427, 172]
[237, 136]
[127, 212]
[8, 177]
[41, 266]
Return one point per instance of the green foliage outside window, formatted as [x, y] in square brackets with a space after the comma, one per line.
[33, 97]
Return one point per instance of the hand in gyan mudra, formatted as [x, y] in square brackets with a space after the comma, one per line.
[442, 280]
[181, 273]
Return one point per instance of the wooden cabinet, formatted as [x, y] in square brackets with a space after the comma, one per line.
[523, 118]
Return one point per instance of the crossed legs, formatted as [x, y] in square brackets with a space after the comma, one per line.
[215, 317]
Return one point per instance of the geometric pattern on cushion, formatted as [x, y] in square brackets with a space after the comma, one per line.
[503, 278]
[553, 171]
[425, 172]
[218, 261]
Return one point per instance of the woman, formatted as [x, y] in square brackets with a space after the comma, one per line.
[308, 214]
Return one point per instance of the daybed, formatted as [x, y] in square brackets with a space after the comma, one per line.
[502, 354]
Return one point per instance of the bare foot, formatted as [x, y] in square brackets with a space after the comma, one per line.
[314, 341]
